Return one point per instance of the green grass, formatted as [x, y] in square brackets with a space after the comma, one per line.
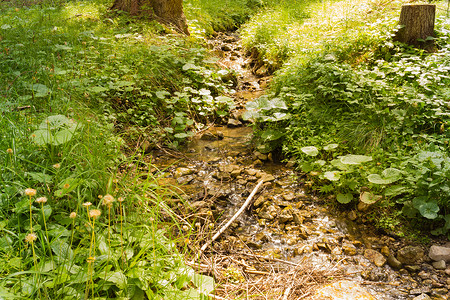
[78, 87]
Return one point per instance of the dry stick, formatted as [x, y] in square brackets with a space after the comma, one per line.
[286, 293]
[236, 215]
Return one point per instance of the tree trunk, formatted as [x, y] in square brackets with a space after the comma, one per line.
[418, 24]
[165, 11]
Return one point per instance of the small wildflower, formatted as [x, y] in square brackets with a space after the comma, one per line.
[94, 213]
[41, 200]
[31, 237]
[90, 259]
[87, 204]
[66, 186]
[100, 196]
[120, 199]
[73, 215]
[33, 135]
[9, 151]
[30, 192]
[115, 180]
[56, 166]
[108, 200]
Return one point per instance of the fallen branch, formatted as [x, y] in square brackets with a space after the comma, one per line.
[236, 215]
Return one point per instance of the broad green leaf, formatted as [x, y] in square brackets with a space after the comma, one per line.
[271, 135]
[204, 92]
[225, 100]
[205, 284]
[118, 278]
[429, 210]
[344, 198]
[40, 177]
[189, 66]
[42, 137]
[278, 116]
[320, 162]
[62, 251]
[275, 103]
[388, 176]
[181, 135]
[191, 294]
[62, 137]
[395, 190]
[97, 89]
[310, 150]
[338, 164]
[332, 175]
[55, 122]
[162, 94]
[62, 47]
[369, 198]
[352, 159]
[408, 210]
[330, 147]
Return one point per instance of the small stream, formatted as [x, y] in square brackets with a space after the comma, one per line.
[218, 171]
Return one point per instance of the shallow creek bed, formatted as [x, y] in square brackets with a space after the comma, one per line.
[286, 245]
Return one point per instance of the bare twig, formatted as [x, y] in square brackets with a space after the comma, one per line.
[236, 215]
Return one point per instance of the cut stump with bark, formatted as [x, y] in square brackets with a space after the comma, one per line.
[417, 21]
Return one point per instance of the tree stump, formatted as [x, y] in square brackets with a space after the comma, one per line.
[417, 22]
[165, 11]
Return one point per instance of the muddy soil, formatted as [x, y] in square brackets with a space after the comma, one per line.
[285, 227]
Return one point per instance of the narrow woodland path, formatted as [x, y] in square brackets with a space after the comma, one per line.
[286, 244]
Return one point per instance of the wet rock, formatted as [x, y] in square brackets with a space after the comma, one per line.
[226, 47]
[410, 255]
[262, 71]
[385, 251]
[267, 177]
[221, 176]
[439, 265]
[260, 201]
[343, 290]
[374, 274]
[439, 253]
[269, 212]
[233, 123]
[288, 196]
[352, 216]
[375, 257]
[250, 172]
[422, 297]
[285, 215]
[260, 156]
[363, 206]
[413, 268]
[297, 218]
[393, 262]
[197, 205]
[440, 291]
[185, 179]
[212, 136]
[253, 245]
[261, 237]
[348, 248]
[303, 233]
[420, 291]
[179, 172]
[258, 163]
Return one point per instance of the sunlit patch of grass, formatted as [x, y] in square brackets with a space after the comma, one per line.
[279, 34]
